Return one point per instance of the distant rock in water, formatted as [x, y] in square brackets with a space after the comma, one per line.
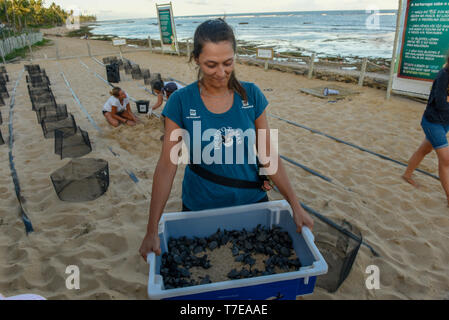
[243, 22]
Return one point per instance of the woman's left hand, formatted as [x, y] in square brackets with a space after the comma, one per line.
[302, 218]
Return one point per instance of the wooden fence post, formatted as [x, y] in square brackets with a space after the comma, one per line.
[311, 65]
[150, 45]
[188, 49]
[363, 72]
[88, 48]
[57, 50]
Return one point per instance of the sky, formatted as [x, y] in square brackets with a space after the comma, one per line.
[127, 9]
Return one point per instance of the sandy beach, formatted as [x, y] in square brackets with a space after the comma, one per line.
[407, 226]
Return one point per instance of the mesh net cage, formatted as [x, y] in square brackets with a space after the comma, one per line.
[72, 145]
[38, 90]
[4, 91]
[43, 99]
[33, 68]
[111, 59]
[37, 80]
[40, 105]
[155, 77]
[127, 66]
[52, 113]
[84, 179]
[4, 77]
[338, 249]
[146, 73]
[1, 139]
[136, 73]
[3, 87]
[68, 126]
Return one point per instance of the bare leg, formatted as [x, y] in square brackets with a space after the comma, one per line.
[443, 169]
[131, 122]
[424, 149]
[113, 122]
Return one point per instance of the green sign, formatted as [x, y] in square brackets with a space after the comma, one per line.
[425, 40]
[165, 23]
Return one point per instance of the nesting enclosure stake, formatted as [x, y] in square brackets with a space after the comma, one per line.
[363, 72]
[311, 65]
[150, 45]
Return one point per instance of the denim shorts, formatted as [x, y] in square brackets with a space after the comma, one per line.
[435, 133]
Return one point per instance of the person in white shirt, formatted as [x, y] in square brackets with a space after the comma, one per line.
[117, 109]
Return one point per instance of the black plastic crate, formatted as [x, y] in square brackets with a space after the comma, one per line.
[113, 73]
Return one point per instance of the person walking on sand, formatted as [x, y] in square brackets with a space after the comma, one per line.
[117, 109]
[220, 107]
[435, 124]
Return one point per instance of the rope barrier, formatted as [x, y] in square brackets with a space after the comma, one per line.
[26, 220]
[351, 145]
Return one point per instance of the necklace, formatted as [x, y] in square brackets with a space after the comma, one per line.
[213, 96]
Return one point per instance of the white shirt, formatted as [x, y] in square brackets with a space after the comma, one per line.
[115, 102]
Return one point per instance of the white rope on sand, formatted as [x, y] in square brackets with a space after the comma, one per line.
[15, 178]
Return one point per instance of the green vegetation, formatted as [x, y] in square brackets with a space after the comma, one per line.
[22, 14]
[83, 30]
[22, 52]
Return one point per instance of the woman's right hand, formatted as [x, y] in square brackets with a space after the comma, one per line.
[151, 243]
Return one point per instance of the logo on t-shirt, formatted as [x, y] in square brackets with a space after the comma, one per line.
[193, 114]
[247, 106]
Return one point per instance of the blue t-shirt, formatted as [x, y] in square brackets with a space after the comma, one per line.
[223, 144]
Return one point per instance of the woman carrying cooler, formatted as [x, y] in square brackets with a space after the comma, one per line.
[435, 124]
[218, 107]
[117, 110]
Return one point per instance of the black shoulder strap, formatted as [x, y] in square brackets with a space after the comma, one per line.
[224, 181]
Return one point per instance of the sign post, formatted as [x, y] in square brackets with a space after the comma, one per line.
[117, 42]
[421, 50]
[265, 54]
[167, 28]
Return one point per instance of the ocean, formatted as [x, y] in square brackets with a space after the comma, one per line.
[328, 33]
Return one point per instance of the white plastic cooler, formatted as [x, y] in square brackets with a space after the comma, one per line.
[287, 285]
